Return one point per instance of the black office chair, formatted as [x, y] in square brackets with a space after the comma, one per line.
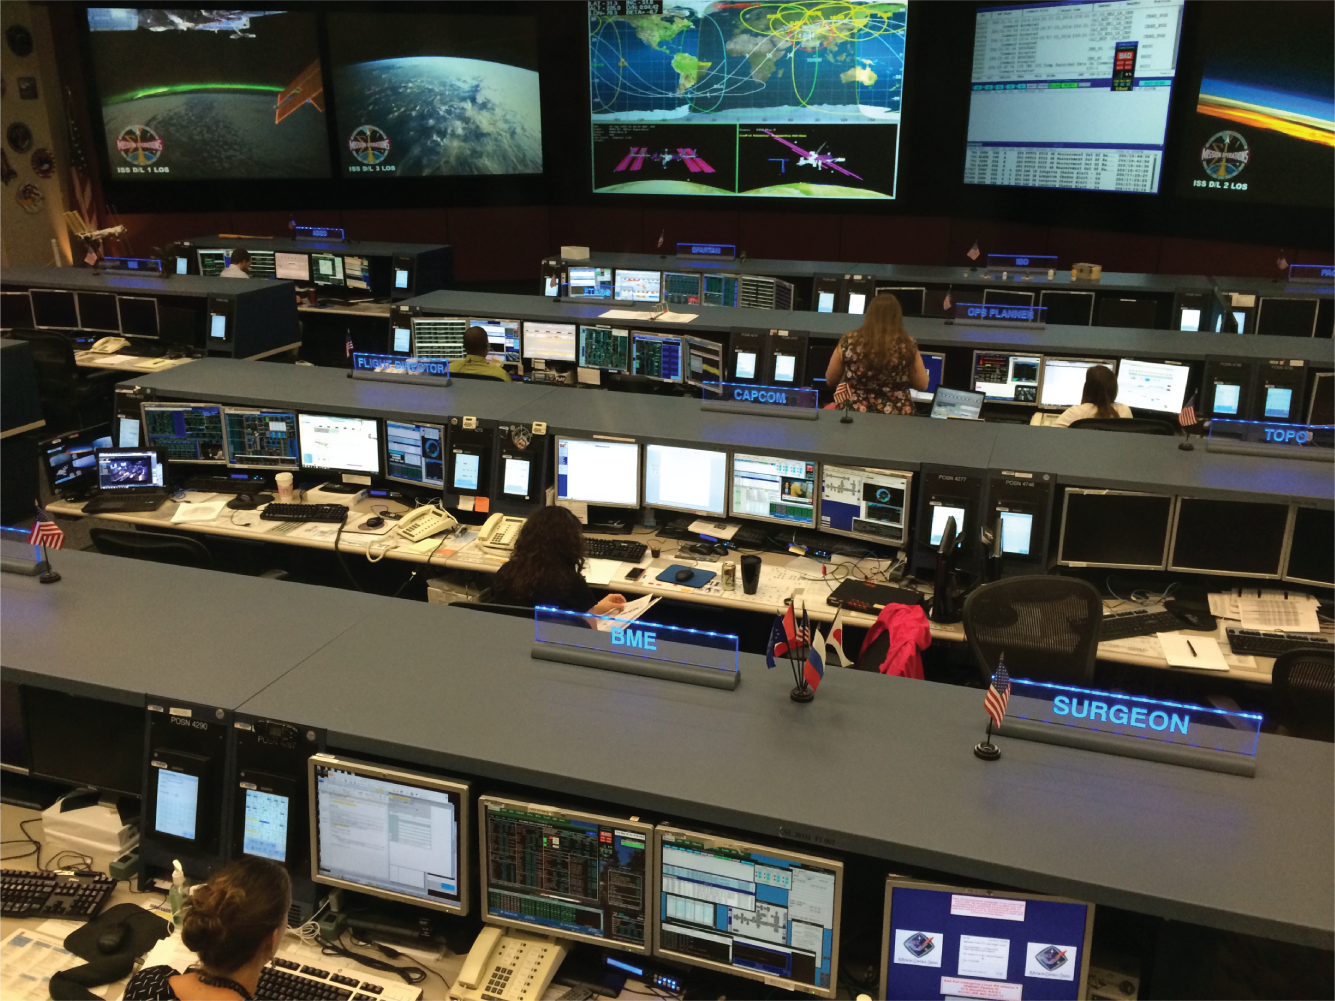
[472, 375]
[1126, 425]
[159, 547]
[1303, 694]
[1048, 627]
[517, 611]
[71, 397]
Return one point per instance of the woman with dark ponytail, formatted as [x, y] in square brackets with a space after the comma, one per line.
[235, 924]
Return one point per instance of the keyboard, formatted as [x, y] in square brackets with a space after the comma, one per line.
[1137, 622]
[335, 514]
[615, 549]
[227, 485]
[78, 895]
[1265, 644]
[289, 980]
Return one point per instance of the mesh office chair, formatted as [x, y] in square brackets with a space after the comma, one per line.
[71, 397]
[1126, 425]
[159, 547]
[1303, 694]
[1048, 628]
[517, 611]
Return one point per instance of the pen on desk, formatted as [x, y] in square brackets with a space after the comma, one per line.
[1192, 649]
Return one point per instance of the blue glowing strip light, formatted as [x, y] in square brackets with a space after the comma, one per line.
[977, 312]
[633, 638]
[1321, 273]
[132, 264]
[790, 397]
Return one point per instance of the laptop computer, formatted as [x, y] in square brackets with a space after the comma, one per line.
[958, 403]
[128, 479]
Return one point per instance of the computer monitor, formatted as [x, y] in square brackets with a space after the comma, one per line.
[787, 359]
[865, 503]
[400, 335]
[1276, 402]
[262, 265]
[825, 293]
[639, 286]
[402, 277]
[138, 315]
[15, 311]
[606, 348]
[130, 470]
[1152, 385]
[1321, 405]
[754, 911]
[70, 460]
[1072, 308]
[605, 473]
[357, 273]
[185, 432]
[1226, 390]
[391, 833]
[912, 299]
[1242, 538]
[589, 283]
[1012, 378]
[339, 444]
[260, 439]
[960, 403]
[694, 480]
[1017, 531]
[327, 269]
[935, 363]
[1286, 317]
[656, 356]
[292, 267]
[569, 873]
[1138, 313]
[545, 341]
[471, 452]
[704, 361]
[857, 302]
[681, 287]
[415, 453]
[1114, 528]
[212, 262]
[83, 741]
[502, 339]
[1189, 318]
[1311, 548]
[53, 309]
[941, 513]
[1063, 382]
[1006, 297]
[720, 290]
[97, 311]
[773, 488]
[439, 337]
[947, 940]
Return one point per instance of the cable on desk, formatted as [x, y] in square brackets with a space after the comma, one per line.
[410, 974]
[338, 534]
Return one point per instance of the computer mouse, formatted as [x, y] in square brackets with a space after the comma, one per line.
[685, 575]
[375, 521]
[720, 550]
[111, 940]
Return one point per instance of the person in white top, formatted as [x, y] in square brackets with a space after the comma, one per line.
[240, 266]
[1097, 399]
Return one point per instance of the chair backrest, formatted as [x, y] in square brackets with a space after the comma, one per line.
[1048, 627]
[52, 354]
[518, 611]
[155, 546]
[1126, 425]
[1303, 693]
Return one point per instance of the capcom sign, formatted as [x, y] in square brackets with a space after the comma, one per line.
[783, 401]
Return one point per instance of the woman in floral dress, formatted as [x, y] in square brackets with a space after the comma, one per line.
[879, 361]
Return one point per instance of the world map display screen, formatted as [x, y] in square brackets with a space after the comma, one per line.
[787, 100]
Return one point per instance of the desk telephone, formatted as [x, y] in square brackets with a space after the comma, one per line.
[500, 532]
[424, 522]
[509, 965]
[109, 345]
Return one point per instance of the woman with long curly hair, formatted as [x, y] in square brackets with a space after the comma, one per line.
[879, 361]
[546, 567]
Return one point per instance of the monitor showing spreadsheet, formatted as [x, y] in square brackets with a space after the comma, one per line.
[1063, 383]
[266, 820]
[549, 341]
[773, 488]
[638, 286]
[294, 267]
[260, 439]
[694, 480]
[1152, 385]
[1012, 378]
[176, 809]
[656, 356]
[865, 503]
[502, 338]
[439, 336]
[415, 453]
[185, 432]
[339, 444]
[606, 473]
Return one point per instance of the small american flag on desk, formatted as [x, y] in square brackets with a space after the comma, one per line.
[1188, 415]
[842, 394]
[998, 694]
[45, 532]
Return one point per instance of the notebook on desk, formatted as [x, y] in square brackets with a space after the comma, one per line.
[128, 480]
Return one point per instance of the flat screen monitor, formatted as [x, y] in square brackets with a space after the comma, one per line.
[1064, 379]
[1072, 308]
[400, 337]
[745, 367]
[470, 466]
[127, 431]
[1242, 538]
[439, 337]
[549, 341]
[656, 356]
[1321, 406]
[266, 818]
[212, 262]
[935, 363]
[327, 269]
[1017, 529]
[606, 348]
[502, 339]
[185, 432]
[138, 315]
[638, 286]
[1277, 402]
[682, 288]
[1137, 313]
[415, 453]
[1286, 317]
[825, 300]
[292, 267]
[1007, 297]
[83, 741]
[1189, 319]
[1104, 91]
[339, 444]
[1114, 528]
[941, 513]
[177, 779]
[390, 833]
[1226, 399]
[1152, 385]
[260, 439]
[402, 278]
[54, 309]
[720, 290]
[589, 283]
[1312, 548]
[15, 311]
[1012, 378]
[357, 273]
[606, 473]
[130, 470]
[773, 488]
[950, 941]
[70, 460]
[912, 299]
[262, 264]
[97, 311]
[686, 479]
[569, 873]
[865, 503]
[959, 403]
[704, 361]
[765, 913]
[857, 303]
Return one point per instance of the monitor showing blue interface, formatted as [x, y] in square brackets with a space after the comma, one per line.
[266, 822]
[943, 941]
[935, 363]
[1278, 400]
[772, 488]
[869, 504]
[415, 453]
[260, 439]
[657, 356]
[185, 432]
[70, 460]
[770, 914]
[589, 283]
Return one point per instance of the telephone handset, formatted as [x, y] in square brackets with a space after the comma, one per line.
[109, 345]
[509, 965]
[499, 532]
[424, 522]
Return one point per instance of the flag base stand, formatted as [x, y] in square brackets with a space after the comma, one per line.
[1187, 446]
[987, 750]
[49, 576]
[802, 693]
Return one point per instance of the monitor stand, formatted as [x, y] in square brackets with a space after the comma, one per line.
[610, 520]
[340, 488]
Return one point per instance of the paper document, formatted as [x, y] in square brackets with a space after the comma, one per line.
[644, 314]
[1134, 646]
[28, 958]
[1295, 614]
[628, 612]
[600, 571]
[207, 511]
[1192, 650]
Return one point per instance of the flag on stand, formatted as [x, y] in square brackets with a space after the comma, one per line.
[661, 235]
[1188, 415]
[946, 303]
[814, 669]
[973, 252]
[835, 641]
[782, 637]
[45, 532]
[347, 345]
[1281, 261]
[998, 694]
[842, 394]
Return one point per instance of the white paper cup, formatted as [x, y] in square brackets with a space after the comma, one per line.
[284, 482]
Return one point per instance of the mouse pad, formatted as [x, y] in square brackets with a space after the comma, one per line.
[699, 578]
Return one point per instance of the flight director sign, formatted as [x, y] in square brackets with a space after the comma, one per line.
[777, 401]
[1315, 442]
[978, 313]
[396, 368]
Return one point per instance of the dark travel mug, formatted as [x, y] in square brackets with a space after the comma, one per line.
[750, 573]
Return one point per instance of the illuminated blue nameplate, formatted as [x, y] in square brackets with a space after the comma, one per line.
[1321, 274]
[1315, 442]
[777, 401]
[718, 251]
[1133, 725]
[148, 265]
[396, 368]
[695, 656]
[1021, 262]
[319, 233]
[1002, 316]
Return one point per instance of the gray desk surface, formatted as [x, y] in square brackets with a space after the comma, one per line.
[369, 248]
[876, 765]
[83, 280]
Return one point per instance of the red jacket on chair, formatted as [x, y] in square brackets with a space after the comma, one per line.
[909, 633]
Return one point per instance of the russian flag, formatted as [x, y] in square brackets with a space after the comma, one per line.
[814, 669]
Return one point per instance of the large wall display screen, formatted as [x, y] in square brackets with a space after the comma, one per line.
[194, 95]
[1072, 95]
[788, 100]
